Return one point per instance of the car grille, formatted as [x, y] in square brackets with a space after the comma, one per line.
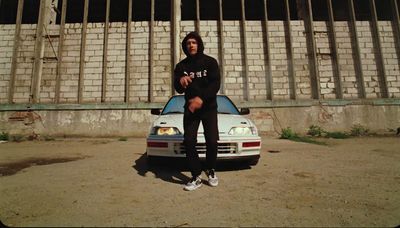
[223, 148]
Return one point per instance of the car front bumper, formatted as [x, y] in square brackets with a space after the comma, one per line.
[228, 147]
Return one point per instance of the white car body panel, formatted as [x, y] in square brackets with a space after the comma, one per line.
[229, 146]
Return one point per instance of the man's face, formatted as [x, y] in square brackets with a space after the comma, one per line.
[191, 46]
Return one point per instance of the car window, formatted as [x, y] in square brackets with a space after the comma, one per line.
[176, 105]
[226, 106]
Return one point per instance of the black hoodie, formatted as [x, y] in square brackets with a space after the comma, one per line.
[204, 72]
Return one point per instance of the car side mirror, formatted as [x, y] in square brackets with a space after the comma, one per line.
[155, 111]
[244, 111]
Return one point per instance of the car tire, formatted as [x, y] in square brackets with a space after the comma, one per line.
[253, 162]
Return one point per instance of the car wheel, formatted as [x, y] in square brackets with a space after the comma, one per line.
[253, 162]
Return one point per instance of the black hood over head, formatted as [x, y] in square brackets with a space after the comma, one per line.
[200, 45]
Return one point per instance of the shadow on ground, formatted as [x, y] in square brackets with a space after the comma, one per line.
[171, 170]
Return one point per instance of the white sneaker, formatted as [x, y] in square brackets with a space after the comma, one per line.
[193, 184]
[212, 178]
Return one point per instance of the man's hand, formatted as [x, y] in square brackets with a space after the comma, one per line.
[185, 81]
[195, 103]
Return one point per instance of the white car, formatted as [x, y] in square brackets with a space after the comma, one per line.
[239, 139]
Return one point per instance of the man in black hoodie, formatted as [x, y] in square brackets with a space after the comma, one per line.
[198, 77]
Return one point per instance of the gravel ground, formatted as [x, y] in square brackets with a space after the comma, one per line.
[106, 182]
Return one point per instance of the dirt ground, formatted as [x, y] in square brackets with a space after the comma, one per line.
[106, 182]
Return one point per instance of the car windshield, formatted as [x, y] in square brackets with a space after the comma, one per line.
[176, 103]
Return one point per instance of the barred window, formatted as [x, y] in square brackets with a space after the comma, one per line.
[209, 10]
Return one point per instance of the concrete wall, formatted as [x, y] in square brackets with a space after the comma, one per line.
[136, 122]
[378, 118]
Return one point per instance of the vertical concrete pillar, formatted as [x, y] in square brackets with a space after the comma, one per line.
[43, 20]
[105, 50]
[269, 80]
[221, 46]
[396, 26]
[128, 52]
[356, 50]
[82, 51]
[175, 35]
[292, 77]
[312, 58]
[151, 56]
[198, 16]
[380, 64]
[335, 56]
[245, 59]
[60, 50]
[14, 63]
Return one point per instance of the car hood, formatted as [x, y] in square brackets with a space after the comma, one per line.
[225, 122]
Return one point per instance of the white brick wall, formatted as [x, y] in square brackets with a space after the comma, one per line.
[92, 77]
[25, 64]
[279, 60]
[346, 61]
[301, 63]
[369, 68]
[139, 83]
[6, 47]
[162, 61]
[233, 59]
[390, 57]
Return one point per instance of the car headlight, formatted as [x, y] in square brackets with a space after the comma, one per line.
[165, 131]
[243, 131]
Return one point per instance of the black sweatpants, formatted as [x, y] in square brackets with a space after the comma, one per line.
[191, 123]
